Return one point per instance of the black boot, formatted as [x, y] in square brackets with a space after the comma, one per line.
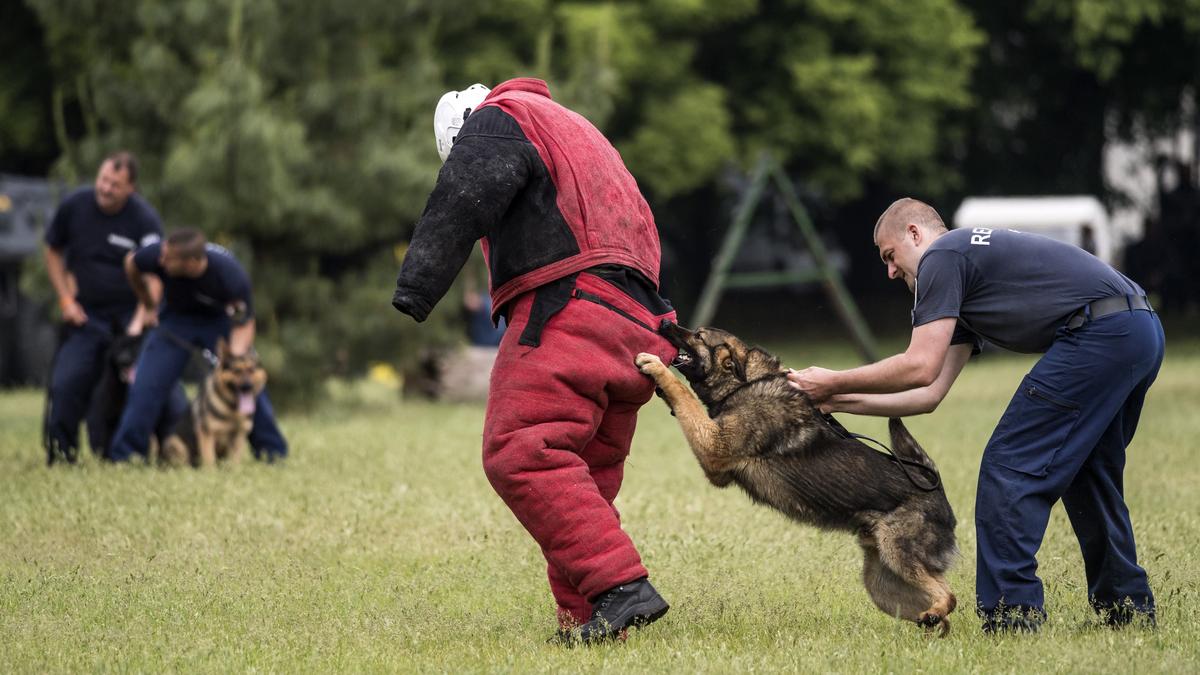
[630, 605]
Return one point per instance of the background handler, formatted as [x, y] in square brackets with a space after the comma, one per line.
[206, 296]
[92, 231]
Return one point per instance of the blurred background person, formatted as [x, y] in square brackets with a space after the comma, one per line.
[92, 231]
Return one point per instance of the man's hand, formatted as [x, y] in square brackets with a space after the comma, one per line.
[72, 311]
[143, 318]
[818, 383]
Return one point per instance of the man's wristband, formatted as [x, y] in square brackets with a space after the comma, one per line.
[65, 301]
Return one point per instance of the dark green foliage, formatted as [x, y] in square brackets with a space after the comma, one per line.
[299, 131]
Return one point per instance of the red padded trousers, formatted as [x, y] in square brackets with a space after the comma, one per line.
[560, 419]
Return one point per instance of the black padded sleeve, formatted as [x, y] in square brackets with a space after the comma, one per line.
[486, 169]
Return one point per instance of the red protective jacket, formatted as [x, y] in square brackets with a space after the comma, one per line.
[543, 188]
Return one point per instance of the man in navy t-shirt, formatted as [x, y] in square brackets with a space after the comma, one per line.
[1065, 432]
[92, 231]
[205, 296]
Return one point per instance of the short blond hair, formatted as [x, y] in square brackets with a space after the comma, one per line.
[908, 210]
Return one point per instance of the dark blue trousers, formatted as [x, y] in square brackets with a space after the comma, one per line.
[78, 364]
[1064, 436]
[78, 391]
[161, 365]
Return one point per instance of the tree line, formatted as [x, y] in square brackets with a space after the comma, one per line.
[298, 132]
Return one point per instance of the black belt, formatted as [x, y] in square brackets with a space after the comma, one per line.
[552, 297]
[1105, 306]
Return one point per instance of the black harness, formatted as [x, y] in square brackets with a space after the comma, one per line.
[718, 406]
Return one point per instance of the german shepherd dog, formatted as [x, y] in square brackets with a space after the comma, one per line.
[767, 437]
[216, 424]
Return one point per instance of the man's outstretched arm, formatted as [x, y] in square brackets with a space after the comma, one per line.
[919, 366]
[917, 401]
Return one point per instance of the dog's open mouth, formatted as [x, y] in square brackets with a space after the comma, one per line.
[681, 359]
[246, 403]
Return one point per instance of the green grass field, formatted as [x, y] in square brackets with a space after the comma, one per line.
[381, 547]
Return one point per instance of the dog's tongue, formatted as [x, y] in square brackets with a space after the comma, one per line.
[246, 404]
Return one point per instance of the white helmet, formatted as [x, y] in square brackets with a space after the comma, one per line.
[452, 109]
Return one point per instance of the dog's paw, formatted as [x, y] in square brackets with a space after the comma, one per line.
[650, 364]
[934, 624]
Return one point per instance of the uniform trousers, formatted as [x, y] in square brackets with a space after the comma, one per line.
[78, 368]
[1064, 436]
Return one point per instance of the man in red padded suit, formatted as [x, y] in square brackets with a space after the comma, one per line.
[573, 258]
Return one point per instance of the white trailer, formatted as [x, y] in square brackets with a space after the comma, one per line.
[1078, 220]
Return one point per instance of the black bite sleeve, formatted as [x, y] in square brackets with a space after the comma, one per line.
[477, 183]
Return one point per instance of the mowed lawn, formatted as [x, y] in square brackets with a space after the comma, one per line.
[381, 547]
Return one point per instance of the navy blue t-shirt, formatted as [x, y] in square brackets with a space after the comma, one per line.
[1012, 288]
[222, 291]
[94, 245]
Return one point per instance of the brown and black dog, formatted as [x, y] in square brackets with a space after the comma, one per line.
[216, 424]
[767, 437]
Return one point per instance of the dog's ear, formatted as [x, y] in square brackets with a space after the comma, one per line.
[222, 349]
[732, 362]
[739, 368]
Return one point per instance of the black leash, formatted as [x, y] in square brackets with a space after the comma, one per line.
[902, 462]
[204, 353]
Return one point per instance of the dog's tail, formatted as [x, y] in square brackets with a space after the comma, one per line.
[906, 447]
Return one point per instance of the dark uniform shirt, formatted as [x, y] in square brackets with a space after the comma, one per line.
[222, 291]
[94, 245]
[1012, 288]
